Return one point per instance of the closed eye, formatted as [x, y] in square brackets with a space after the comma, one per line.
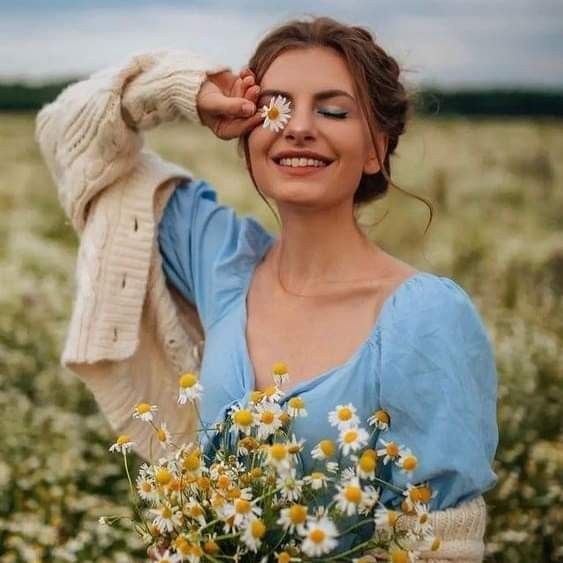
[337, 115]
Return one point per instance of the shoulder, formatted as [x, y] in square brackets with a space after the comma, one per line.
[435, 316]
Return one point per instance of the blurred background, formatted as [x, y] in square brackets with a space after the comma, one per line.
[485, 147]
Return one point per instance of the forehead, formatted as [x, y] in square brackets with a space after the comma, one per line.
[309, 69]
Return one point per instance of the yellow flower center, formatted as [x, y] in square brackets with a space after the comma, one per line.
[294, 448]
[297, 513]
[161, 434]
[163, 476]
[233, 493]
[210, 547]
[350, 436]
[143, 408]
[344, 413]
[423, 518]
[327, 447]
[392, 449]
[203, 483]
[296, 403]
[191, 461]
[195, 551]
[353, 494]
[188, 380]
[284, 557]
[243, 417]
[392, 516]
[146, 487]
[278, 451]
[284, 417]
[223, 482]
[317, 535]
[267, 417]
[410, 463]
[367, 463]
[258, 528]
[273, 113]
[421, 494]
[256, 472]
[123, 439]
[399, 556]
[256, 396]
[195, 511]
[279, 368]
[166, 512]
[270, 390]
[382, 416]
[242, 506]
[435, 544]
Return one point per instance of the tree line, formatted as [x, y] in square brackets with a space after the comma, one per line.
[434, 102]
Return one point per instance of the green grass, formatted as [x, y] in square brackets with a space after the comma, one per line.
[497, 191]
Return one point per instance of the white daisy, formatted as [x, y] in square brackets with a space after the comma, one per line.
[385, 518]
[253, 534]
[319, 537]
[243, 419]
[323, 450]
[296, 407]
[290, 486]
[332, 466]
[144, 411]
[190, 388]
[163, 436]
[279, 457]
[350, 497]
[380, 419]
[267, 417]
[295, 446]
[279, 373]
[241, 510]
[166, 517]
[371, 497]
[344, 416]
[366, 464]
[146, 489]
[293, 518]
[352, 439]
[317, 480]
[167, 557]
[418, 494]
[122, 445]
[422, 524]
[193, 509]
[389, 452]
[407, 461]
[276, 114]
[272, 393]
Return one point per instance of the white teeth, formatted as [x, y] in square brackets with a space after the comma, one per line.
[301, 162]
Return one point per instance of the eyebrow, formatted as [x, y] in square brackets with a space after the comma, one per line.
[323, 95]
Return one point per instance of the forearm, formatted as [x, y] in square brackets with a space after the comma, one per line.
[90, 135]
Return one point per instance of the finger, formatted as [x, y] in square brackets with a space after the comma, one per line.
[238, 88]
[233, 107]
[253, 94]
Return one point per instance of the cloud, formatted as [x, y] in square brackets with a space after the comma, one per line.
[448, 43]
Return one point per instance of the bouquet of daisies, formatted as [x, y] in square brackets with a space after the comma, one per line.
[236, 493]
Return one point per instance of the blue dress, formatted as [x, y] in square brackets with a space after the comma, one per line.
[428, 359]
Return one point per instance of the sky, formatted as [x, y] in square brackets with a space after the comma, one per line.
[443, 43]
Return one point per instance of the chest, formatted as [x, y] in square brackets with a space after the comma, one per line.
[311, 337]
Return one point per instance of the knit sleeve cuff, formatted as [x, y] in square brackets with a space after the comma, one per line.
[164, 86]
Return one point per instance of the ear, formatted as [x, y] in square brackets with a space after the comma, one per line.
[371, 165]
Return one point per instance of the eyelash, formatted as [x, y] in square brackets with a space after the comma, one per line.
[340, 115]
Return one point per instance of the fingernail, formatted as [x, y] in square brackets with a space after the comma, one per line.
[248, 109]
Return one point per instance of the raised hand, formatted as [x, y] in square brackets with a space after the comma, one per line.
[221, 103]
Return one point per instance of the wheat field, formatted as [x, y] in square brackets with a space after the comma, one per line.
[497, 191]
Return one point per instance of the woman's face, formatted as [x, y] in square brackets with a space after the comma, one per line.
[330, 125]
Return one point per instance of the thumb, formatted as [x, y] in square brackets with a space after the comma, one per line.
[235, 107]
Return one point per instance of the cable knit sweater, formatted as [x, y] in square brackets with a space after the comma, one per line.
[131, 334]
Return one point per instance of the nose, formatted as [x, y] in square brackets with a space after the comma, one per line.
[301, 125]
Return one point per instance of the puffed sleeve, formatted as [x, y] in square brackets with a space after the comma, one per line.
[207, 248]
[438, 382]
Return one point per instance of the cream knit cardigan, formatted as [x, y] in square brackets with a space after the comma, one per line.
[130, 334]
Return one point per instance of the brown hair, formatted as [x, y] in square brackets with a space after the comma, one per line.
[383, 99]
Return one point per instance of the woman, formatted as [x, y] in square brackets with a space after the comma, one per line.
[354, 324]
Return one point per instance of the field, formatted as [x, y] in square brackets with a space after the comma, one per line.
[497, 189]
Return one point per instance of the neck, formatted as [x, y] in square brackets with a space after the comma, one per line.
[321, 249]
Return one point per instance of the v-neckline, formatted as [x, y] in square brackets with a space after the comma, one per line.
[250, 374]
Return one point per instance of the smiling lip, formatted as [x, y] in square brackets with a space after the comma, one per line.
[301, 170]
